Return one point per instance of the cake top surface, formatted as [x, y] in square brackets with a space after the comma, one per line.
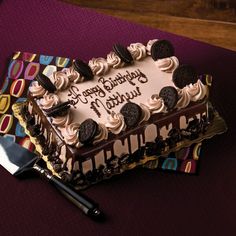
[99, 97]
[118, 92]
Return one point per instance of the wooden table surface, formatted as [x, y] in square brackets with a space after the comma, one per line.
[211, 21]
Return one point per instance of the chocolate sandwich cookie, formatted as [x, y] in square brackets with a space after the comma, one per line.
[184, 75]
[83, 69]
[58, 110]
[170, 96]
[162, 49]
[123, 53]
[87, 131]
[132, 114]
[46, 83]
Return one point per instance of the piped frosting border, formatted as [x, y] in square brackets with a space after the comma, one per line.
[101, 66]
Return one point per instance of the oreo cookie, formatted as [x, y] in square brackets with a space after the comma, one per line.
[184, 75]
[46, 83]
[123, 53]
[162, 49]
[83, 69]
[132, 114]
[170, 96]
[87, 131]
[58, 110]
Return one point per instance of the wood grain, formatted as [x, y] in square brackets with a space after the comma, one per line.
[212, 21]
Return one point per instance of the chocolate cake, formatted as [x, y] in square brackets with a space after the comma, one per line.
[103, 117]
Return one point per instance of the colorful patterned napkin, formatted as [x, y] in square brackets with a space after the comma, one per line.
[21, 71]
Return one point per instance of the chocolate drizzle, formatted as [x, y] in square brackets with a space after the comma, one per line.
[88, 153]
[129, 145]
[83, 69]
[105, 156]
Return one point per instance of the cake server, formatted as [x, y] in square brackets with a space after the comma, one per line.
[19, 161]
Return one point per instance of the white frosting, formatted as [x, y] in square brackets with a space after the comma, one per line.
[70, 134]
[48, 101]
[197, 91]
[73, 75]
[99, 66]
[184, 98]
[137, 50]
[61, 80]
[156, 104]
[36, 89]
[145, 113]
[149, 45]
[102, 135]
[168, 64]
[62, 121]
[115, 123]
[114, 61]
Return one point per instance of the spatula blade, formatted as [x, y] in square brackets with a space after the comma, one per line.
[17, 160]
[14, 157]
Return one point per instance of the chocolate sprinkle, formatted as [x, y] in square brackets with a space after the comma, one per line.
[83, 69]
[65, 176]
[132, 114]
[87, 131]
[184, 75]
[33, 130]
[170, 96]
[162, 49]
[123, 53]
[46, 83]
[58, 110]
[30, 120]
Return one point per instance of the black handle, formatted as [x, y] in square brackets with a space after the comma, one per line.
[89, 207]
[84, 203]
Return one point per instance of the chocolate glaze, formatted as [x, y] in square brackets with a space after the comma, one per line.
[89, 152]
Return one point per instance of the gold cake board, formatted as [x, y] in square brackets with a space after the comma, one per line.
[218, 126]
[17, 113]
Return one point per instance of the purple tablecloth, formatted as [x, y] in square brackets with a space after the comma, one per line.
[141, 202]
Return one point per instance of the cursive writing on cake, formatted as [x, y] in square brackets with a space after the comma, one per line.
[106, 94]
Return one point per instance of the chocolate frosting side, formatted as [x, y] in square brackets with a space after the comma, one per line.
[86, 152]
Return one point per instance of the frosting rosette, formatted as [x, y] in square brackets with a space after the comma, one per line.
[36, 89]
[99, 66]
[73, 75]
[114, 61]
[61, 80]
[196, 91]
[116, 123]
[48, 101]
[184, 98]
[102, 134]
[62, 121]
[156, 104]
[149, 45]
[70, 134]
[168, 64]
[137, 50]
[145, 113]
